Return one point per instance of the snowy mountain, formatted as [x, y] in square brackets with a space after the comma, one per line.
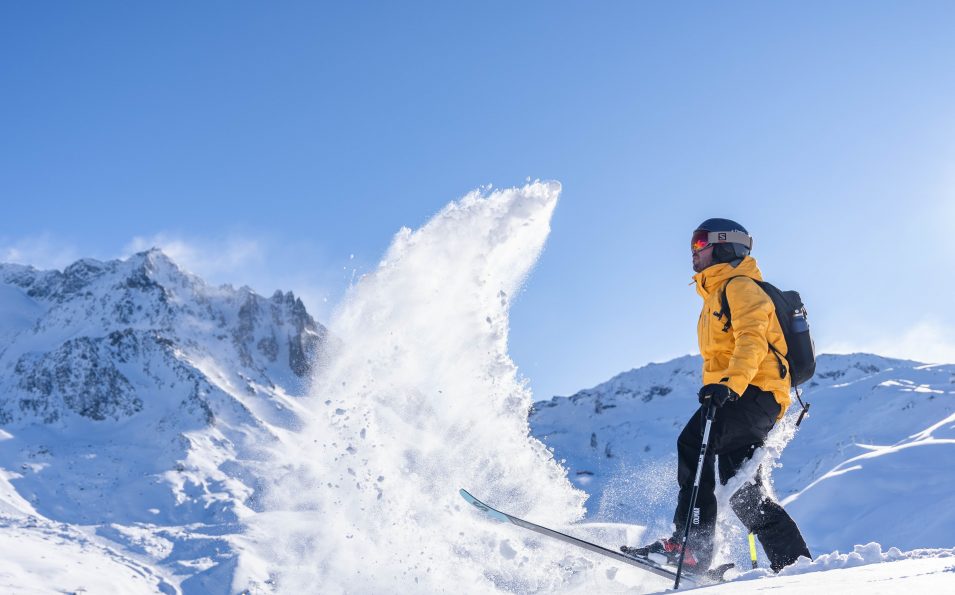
[159, 435]
[870, 463]
[132, 398]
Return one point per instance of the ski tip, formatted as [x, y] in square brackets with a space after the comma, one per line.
[470, 499]
[493, 513]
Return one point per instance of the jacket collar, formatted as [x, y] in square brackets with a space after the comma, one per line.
[712, 278]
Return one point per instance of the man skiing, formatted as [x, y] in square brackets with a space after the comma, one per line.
[742, 378]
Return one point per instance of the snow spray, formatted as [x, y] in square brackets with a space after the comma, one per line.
[416, 398]
[731, 536]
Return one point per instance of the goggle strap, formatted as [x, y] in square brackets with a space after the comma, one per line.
[735, 237]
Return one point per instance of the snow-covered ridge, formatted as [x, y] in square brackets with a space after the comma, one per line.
[864, 465]
[134, 398]
[93, 339]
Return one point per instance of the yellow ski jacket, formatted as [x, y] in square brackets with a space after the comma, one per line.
[742, 352]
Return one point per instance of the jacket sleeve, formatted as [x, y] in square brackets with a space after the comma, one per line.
[751, 310]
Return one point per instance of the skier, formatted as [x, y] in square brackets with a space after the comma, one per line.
[741, 377]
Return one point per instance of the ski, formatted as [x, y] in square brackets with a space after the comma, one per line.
[645, 564]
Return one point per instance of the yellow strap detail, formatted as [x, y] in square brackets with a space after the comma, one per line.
[752, 549]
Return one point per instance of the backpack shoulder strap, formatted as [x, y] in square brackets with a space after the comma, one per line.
[725, 311]
[725, 305]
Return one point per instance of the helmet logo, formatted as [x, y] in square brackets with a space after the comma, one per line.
[721, 237]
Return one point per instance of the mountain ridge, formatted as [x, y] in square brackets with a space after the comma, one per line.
[618, 438]
[105, 313]
[135, 398]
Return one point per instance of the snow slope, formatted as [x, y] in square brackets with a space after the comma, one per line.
[40, 556]
[865, 570]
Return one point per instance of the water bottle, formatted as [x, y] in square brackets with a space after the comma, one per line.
[802, 352]
[799, 323]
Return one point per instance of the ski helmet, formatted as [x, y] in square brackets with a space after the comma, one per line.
[729, 239]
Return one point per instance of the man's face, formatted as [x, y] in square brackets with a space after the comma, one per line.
[703, 258]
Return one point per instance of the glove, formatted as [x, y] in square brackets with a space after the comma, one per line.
[718, 394]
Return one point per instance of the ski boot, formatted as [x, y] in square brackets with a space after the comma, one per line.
[663, 551]
[666, 552]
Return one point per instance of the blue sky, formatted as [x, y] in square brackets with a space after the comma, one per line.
[283, 144]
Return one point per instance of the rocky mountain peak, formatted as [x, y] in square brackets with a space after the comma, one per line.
[134, 394]
[110, 340]
[155, 265]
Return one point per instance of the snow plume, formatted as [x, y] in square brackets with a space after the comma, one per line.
[640, 492]
[731, 541]
[419, 399]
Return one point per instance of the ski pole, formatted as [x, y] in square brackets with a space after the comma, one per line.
[690, 516]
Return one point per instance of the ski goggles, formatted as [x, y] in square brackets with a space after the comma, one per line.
[702, 238]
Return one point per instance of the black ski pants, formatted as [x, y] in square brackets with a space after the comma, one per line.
[739, 428]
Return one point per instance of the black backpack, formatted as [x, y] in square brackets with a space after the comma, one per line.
[801, 352]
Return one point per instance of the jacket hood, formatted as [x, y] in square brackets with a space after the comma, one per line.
[710, 279]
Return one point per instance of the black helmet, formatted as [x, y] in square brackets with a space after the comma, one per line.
[730, 240]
